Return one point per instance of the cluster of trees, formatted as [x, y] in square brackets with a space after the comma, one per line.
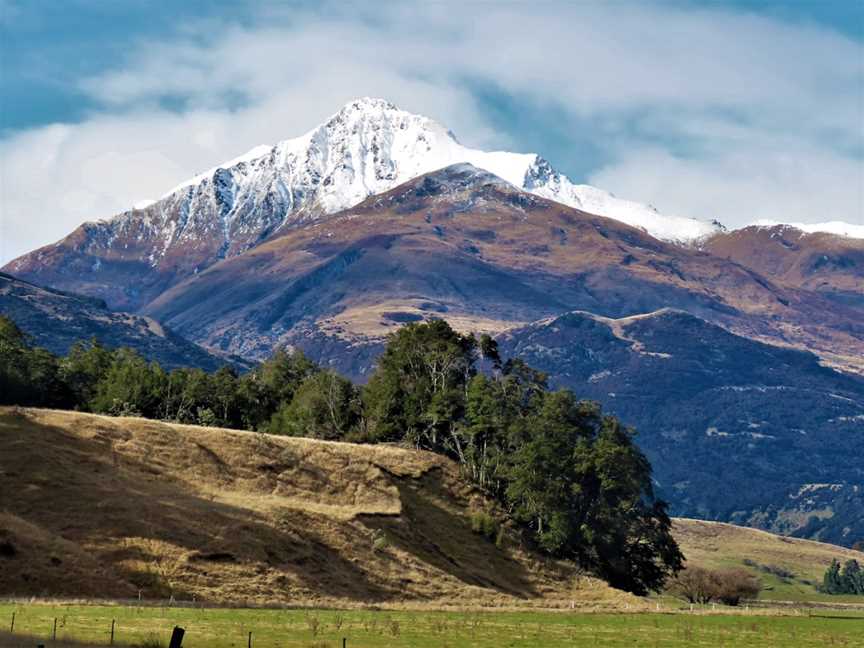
[570, 476]
[846, 580]
[286, 394]
[727, 586]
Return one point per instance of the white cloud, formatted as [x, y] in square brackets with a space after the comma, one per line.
[743, 185]
[714, 114]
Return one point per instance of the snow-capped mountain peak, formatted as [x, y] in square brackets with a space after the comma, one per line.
[368, 147]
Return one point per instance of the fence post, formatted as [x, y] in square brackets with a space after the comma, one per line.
[344, 641]
[12, 627]
[112, 632]
[54, 634]
[250, 640]
[177, 637]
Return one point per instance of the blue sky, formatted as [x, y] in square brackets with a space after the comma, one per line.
[736, 110]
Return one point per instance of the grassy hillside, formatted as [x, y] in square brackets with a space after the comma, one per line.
[788, 567]
[105, 507]
[94, 506]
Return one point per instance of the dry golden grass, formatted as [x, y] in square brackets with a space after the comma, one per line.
[103, 507]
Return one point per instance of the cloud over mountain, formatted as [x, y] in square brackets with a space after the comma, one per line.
[706, 113]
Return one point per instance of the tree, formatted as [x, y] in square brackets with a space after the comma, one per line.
[82, 369]
[131, 386]
[417, 391]
[729, 586]
[324, 406]
[28, 376]
[831, 581]
[263, 390]
[694, 585]
[734, 585]
[583, 487]
[852, 578]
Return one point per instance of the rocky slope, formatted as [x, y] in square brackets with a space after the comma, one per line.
[736, 430]
[368, 147]
[56, 320]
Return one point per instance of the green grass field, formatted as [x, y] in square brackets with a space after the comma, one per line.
[229, 628]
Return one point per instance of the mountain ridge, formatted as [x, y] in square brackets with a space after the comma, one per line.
[55, 320]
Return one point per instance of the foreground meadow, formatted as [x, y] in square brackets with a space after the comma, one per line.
[230, 628]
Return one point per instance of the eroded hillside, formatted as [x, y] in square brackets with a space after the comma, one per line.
[104, 507]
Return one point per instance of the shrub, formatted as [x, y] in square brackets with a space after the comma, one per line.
[482, 523]
[699, 585]
[152, 641]
[379, 541]
[736, 584]
[694, 585]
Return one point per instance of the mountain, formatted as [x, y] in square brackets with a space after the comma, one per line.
[56, 320]
[736, 430]
[830, 263]
[463, 244]
[368, 147]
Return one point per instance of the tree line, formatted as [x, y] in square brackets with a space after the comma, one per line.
[570, 476]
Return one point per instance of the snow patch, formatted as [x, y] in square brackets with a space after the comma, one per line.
[838, 228]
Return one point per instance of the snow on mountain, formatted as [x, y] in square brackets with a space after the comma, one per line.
[368, 147]
[837, 228]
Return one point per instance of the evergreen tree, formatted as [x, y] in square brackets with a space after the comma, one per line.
[852, 578]
[831, 582]
[28, 376]
[131, 386]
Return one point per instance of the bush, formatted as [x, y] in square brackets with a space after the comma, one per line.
[699, 585]
[694, 585]
[736, 584]
[482, 523]
[380, 542]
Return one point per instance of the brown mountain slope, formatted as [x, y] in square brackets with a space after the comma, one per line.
[833, 265]
[99, 506]
[464, 245]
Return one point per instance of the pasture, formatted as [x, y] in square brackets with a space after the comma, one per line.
[283, 628]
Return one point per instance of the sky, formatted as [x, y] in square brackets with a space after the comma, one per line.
[738, 110]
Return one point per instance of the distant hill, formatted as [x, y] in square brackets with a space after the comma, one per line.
[736, 430]
[789, 568]
[55, 320]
